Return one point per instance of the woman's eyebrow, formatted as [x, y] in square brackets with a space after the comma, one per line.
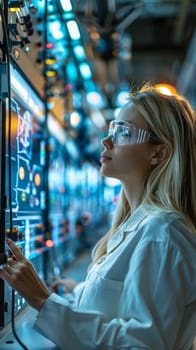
[121, 122]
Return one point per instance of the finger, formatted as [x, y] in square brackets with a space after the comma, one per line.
[11, 261]
[6, 273]
[16, 251]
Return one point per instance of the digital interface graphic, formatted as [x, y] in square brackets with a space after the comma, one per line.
[25, 186]
[28, 161]
[27, 169]
[57, 186]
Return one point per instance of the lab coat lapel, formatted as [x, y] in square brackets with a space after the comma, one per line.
[129, 226]
[115, 241]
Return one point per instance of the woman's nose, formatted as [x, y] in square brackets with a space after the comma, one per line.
[107, 142]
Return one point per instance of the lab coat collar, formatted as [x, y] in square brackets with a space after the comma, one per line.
[130, 225]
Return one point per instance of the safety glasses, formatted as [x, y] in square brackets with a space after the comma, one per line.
[125, 133]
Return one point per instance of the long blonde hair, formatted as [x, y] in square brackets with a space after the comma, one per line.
[171, 185]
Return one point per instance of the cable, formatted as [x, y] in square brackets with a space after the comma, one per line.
[13, 322]
[6, 41]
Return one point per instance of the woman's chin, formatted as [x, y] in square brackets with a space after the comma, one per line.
[103, 171]
[106, 172]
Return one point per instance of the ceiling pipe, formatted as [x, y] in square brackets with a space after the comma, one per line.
[135, 13]
[187, 75]
[179, 28]
[112, 6]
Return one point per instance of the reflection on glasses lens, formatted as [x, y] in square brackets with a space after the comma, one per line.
[123, 132]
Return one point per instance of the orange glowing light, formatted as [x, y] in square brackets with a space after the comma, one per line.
[21, 173]
[40, 226]
[37, 179]
[165, 89]
[49, 243]
[39, 250]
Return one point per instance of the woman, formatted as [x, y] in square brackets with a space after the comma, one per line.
[140, 291]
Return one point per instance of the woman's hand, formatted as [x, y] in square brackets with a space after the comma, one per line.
[66, 285]
[19, 273]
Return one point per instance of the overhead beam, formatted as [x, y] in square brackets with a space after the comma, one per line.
[181, 21]
[188, 71]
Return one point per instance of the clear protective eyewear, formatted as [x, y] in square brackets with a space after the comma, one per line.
[124, 132]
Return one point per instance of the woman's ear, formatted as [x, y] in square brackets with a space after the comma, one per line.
[159, 154]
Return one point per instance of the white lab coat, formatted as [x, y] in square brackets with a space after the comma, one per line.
[141, 295]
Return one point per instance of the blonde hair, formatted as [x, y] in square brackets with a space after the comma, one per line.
[171, 185]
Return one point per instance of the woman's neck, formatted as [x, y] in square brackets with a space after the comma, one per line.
[134, 195]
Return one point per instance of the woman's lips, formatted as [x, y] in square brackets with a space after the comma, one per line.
[105, 159]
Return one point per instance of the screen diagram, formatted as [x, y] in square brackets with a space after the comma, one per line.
[27, 161]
